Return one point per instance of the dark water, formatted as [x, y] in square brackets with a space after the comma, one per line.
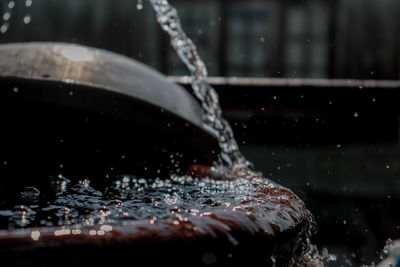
[247, 202]
[130, 198]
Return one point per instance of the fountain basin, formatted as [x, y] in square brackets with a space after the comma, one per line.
[266, 224]
[78, 112]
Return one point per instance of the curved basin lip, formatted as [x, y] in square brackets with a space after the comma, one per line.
[82, 65]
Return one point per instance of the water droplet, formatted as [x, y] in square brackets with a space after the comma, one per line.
[262, 39]
[15, 89]
[355, 114]
[35, 235]
[139, 4]
[4, 28]
[11, 4]
[27, 19]
[6, 16]
[28, 3]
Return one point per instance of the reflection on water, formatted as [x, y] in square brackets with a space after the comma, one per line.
[177, 198]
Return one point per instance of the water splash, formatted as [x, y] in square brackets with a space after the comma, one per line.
[237, 164]
[179, 198]
[317, 258]
[258, 205]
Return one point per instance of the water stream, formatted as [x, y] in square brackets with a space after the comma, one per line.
[167, 17]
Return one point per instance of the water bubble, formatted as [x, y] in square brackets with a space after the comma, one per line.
[15, 89]
[28, 3]
[355, 114]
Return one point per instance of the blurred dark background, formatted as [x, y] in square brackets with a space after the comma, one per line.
[331, 134]
[267, 38]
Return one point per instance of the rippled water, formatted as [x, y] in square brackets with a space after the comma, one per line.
[210, 206]
[130, 198]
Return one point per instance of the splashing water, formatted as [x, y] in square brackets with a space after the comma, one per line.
[167, 17]
[257, 204]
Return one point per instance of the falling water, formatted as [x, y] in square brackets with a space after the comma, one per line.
[239, 166]
[169, 20]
